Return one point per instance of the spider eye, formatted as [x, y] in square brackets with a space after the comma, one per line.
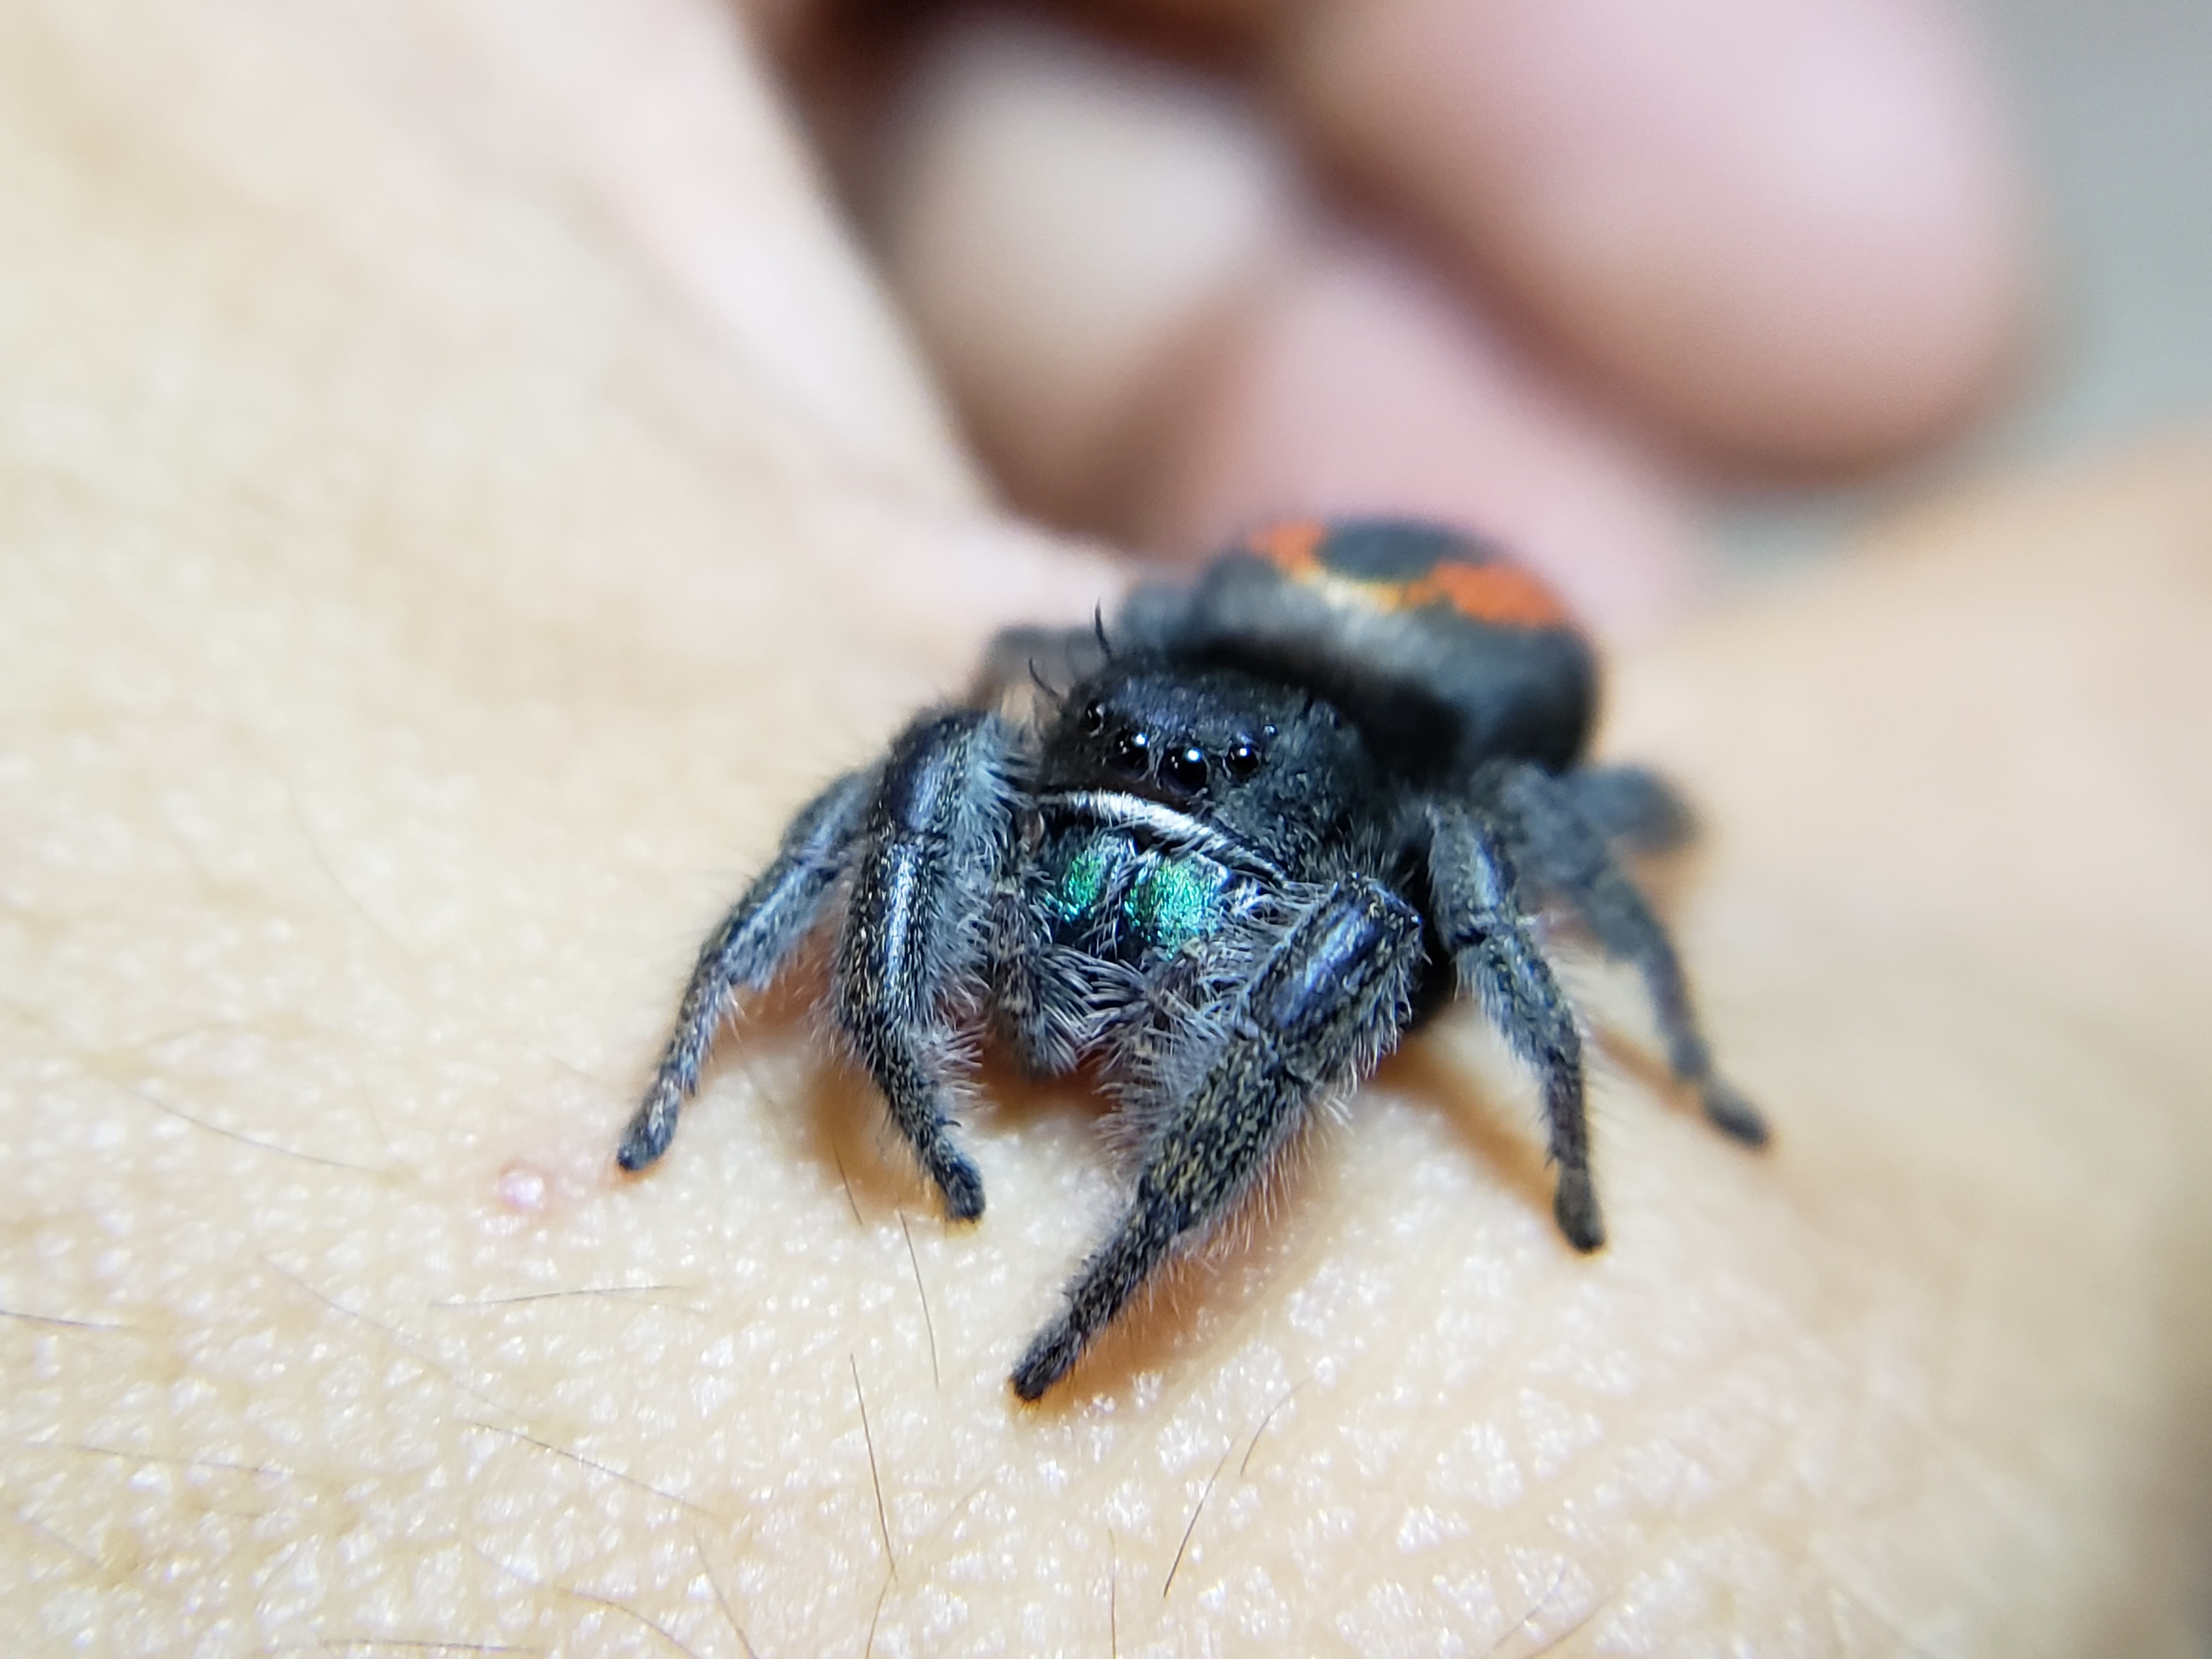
[1186, 770]
[1132, 754]
[1243, 759]
[1093, 718]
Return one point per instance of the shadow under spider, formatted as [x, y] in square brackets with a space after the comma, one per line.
[833, 1113]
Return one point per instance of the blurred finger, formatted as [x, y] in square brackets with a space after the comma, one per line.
[1791, 229]
[1351, 381]
[1060, 218]
[1152, 333]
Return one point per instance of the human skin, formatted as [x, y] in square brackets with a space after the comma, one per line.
[413, 632]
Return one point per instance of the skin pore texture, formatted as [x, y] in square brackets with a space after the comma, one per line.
[414, 631]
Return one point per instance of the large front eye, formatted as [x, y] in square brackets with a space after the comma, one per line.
[1092, 720]
[1185, 769]
[1132, 754]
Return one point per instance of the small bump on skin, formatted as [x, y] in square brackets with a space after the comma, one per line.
[522, 1188]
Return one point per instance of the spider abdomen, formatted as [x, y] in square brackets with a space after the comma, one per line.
[1445, 652]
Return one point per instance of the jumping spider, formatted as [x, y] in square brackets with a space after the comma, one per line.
[1284, 817]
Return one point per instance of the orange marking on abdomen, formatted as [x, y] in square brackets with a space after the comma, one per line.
[1294, 548]
[1503, 595]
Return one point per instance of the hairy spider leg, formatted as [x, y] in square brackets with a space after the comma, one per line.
[744, 954]
[1475, 899]
[1321, 1006]
[1564, 855]
[1636, 810]
[934, 850]
[1039, 1015]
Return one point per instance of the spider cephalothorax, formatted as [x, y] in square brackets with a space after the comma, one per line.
[1288, 813]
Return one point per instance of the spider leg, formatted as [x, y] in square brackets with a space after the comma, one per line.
[1564, 853]
[1478, 909]
[1633, 809]
[779, 910]
[1319, 1007]
[1016, 656]
[936, 840]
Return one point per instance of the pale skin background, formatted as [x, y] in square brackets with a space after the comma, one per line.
[419, 608]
